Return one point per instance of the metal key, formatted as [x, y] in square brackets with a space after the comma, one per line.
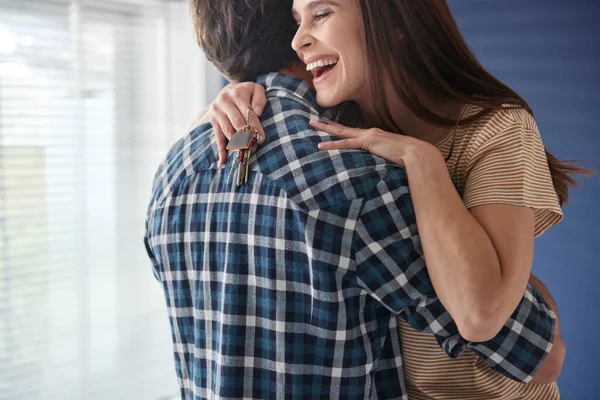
[245, 142]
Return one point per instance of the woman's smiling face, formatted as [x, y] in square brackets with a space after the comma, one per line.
[329, 42]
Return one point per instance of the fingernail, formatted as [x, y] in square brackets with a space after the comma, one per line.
[258, 110]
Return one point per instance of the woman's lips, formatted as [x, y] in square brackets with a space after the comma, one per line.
[326, 72]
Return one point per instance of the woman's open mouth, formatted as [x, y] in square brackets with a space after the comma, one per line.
[321, 69]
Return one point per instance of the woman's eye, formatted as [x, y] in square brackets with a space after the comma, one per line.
[321, 15]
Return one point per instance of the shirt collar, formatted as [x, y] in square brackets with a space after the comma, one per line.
[294, 86]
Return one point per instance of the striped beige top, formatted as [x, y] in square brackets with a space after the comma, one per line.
[498, 159]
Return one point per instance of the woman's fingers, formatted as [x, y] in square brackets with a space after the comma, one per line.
[234, 113]
[255, 123]
[233, 104]
[248, 95]
[355, 143]
[335, 129]
[259, 99]
[229, 113]
[234, 119]
[221, 143]
[331, 122]
[244, 95]
[224, 122]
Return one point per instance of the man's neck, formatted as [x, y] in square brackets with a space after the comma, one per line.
[299, 71]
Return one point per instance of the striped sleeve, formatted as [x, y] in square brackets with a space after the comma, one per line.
[509, 166]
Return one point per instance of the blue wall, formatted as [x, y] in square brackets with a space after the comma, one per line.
[549, 52]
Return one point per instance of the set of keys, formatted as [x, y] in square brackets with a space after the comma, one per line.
[245, 142]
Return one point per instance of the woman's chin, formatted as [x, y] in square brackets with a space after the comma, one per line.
[328, 101]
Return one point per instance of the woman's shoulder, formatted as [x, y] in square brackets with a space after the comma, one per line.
[507, 164]
[506, 124]
[500, 120]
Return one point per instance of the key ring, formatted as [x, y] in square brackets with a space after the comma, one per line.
[248, 115]
[254, 130]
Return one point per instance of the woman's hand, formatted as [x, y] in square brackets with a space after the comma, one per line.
[393, 147]
[227, 113]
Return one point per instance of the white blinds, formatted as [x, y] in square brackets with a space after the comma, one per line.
[92, 93]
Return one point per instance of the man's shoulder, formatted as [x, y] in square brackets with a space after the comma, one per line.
[192, 153]
[313, 178]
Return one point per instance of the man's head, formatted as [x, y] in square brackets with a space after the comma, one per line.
[245, 38]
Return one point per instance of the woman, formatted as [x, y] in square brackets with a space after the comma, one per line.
[482, 184]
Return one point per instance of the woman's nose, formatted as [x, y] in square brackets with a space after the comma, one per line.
[301, 40]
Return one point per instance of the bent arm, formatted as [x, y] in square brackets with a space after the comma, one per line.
[523, 344]
[479, 260]
[390, 267]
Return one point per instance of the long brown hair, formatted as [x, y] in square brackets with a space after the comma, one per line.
[430, 51]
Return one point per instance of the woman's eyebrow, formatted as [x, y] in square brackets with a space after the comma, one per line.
[315, 3]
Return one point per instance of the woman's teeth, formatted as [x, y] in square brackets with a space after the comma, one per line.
[321, 63]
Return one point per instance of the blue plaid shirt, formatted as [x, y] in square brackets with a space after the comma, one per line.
[289, 286]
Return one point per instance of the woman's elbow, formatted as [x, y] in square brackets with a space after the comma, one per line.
[482, 326]
[479, 327]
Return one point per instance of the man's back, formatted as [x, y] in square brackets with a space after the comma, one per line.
[288, 285]
[263, 288]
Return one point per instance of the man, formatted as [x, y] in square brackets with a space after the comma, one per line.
[289, 286]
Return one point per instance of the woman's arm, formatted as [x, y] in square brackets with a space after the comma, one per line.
[479, 261]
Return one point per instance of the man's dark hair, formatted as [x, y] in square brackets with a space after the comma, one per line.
[244, 38]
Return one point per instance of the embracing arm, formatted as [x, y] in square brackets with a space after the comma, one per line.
[480, 259]
[390, 267]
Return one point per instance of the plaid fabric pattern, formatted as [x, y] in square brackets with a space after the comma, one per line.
[289, 286]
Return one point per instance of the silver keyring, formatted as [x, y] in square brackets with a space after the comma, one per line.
[250, 126]
[257, 135]
[248, 115]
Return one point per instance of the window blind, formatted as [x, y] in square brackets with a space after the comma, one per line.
[92, 94]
